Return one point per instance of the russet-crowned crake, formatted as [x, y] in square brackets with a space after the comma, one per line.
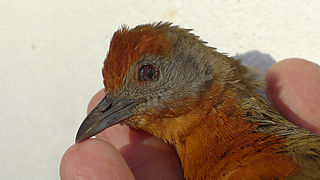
[162, 79]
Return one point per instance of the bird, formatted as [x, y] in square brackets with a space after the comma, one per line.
[163, 79]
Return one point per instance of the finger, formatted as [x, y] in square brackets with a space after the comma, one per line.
[146, 155]
[93, 159]
[95, 100]
[293, 86]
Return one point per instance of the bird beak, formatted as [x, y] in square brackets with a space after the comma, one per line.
[108, 112]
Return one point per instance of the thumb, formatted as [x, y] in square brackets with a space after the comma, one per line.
[93, 159]
[293, 85]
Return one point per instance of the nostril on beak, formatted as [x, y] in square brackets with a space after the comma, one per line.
[104, 108]
[105, 103]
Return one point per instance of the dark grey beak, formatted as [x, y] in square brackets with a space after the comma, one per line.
[108, 112]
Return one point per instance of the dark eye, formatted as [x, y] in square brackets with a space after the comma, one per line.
[146, 73]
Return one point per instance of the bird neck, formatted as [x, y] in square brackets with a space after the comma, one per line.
[220, 142]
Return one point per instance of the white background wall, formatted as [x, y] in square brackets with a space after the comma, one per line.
[51, 55]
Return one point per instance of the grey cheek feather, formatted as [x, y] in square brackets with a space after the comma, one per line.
[178, 78]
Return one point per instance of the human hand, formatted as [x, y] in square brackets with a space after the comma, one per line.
[123, 153]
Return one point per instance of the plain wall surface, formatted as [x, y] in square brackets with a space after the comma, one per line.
[52, 52]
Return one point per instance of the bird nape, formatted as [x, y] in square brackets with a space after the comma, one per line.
[164, 80]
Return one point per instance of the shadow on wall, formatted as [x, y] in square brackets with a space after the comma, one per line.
[257, 59]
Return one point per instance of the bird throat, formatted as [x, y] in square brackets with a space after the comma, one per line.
[217, 141]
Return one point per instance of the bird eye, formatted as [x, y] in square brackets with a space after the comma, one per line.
[146, 73]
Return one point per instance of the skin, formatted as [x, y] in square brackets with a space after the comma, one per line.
[123, 153]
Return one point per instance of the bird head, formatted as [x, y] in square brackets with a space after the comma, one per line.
[155, 77]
